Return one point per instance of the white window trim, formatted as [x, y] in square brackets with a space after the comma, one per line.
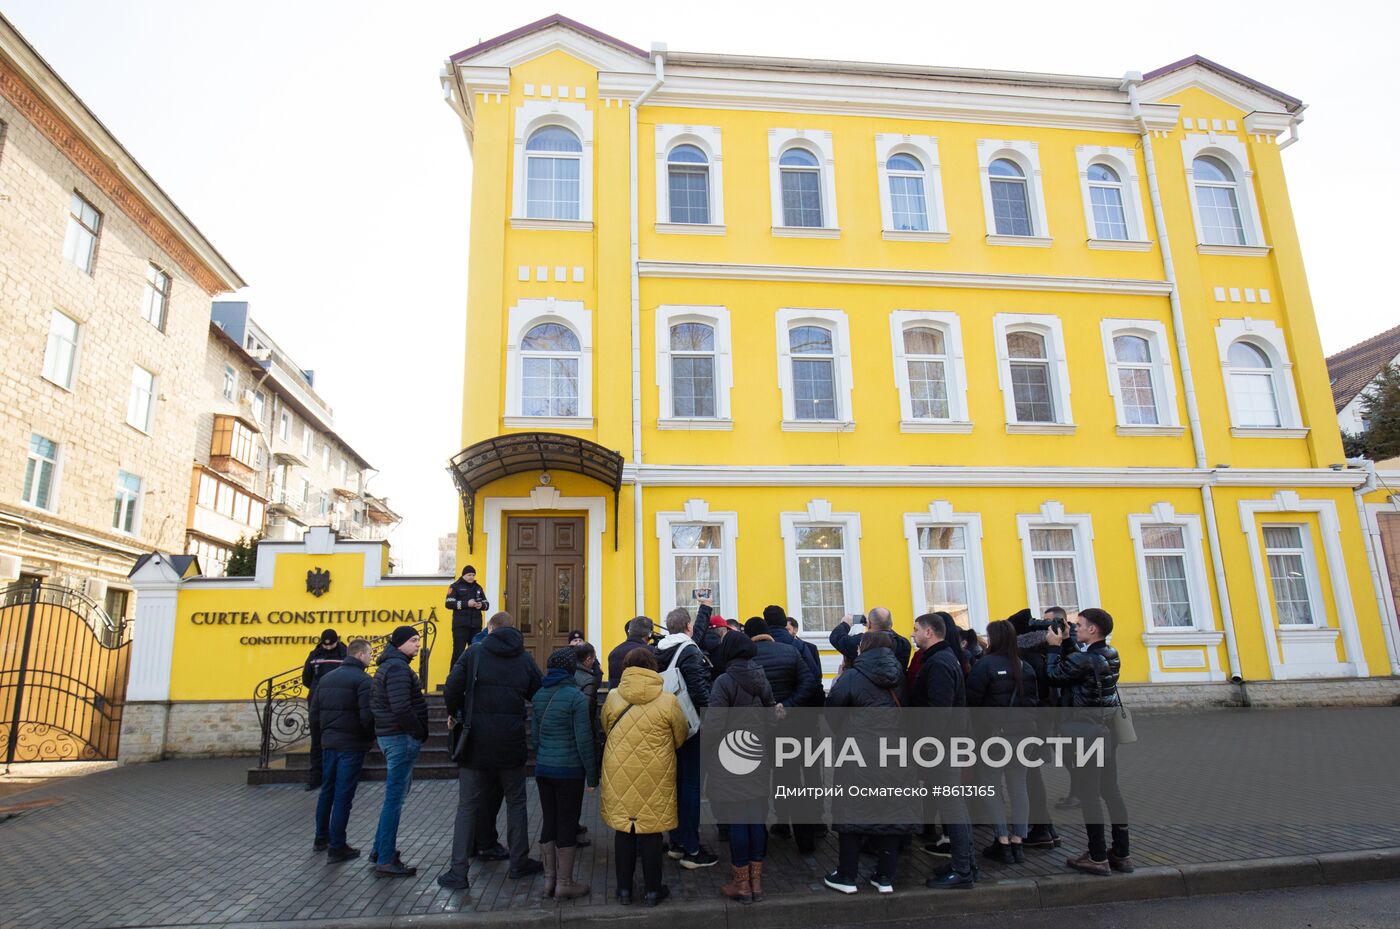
[1236, 157]
[698, 511]
[78, 328]
[1123, 161]
[669, 315]
[1050, 327]
[941, 513]
[55, 483]
[836, 321]
[578, 119]
[707, 139]
[924, 148]
[1313, 580]
[819, 513]
[149, 424]
[1204, 633]
[1026, 155]
[819, 142]
[1164, 380]
[1052, 515]
[956, 373]
[1268, 338]
[520, 319]
[1294, 653]
[136, 505]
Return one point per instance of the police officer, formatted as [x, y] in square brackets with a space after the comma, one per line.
[466, 599]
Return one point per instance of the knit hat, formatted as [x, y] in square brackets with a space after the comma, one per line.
[755, 626]
[1021, 620]
[329, 637]
[401, 635]
[469, 569]
[734, 647]
[718, 622]
[564, 659]
[774, 616]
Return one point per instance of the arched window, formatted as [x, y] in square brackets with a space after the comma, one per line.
[1136, 392]
[1106, 198]
[1217, 200]
[1010, 198]
[1253, 389]
[688, 190]
[1030, 377]
[908, 204]
[552, 158]
[693, 370]
[801, 185]
[813, 372]
[926, 355]
[549, 364]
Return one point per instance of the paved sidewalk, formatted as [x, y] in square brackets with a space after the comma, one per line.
[187, 842]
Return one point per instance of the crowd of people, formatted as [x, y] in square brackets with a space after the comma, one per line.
[641, 747]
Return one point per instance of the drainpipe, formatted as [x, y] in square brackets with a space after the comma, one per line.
[1193, 413]
[1372, 541]
[658, 51]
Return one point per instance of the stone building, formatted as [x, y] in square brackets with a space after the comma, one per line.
[106, 288]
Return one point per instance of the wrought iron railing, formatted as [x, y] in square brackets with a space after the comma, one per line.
[284, 716]
[110, 632]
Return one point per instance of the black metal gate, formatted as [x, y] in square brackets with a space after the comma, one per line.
[63, 669]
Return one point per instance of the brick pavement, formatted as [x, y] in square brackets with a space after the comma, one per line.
[184, 842]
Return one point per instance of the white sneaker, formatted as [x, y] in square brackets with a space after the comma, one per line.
[835, 882]
[882, 883]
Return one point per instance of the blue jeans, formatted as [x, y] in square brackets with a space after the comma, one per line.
[747, 842]
[687, 831]
[400, 753]
[340, 775]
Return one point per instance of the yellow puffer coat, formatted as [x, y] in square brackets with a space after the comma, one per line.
[639, 760]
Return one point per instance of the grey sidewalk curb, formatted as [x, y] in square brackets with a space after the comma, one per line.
[802, 911]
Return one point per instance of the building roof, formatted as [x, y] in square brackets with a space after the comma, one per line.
[1292, 103]
[53, 94]
[1352, 369]
[554, 19]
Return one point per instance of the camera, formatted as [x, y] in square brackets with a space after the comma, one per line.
[858, 619]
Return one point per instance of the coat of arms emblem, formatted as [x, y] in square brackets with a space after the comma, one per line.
[318, 581]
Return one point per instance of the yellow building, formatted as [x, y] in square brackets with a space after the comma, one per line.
[835, 335]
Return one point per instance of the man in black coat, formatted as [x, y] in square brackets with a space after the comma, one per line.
[324, 658]
[341, 712]
[679, 647]
[639, 630]
[940, 684]
[487, 691]
[809, 652]
[401, 727]
[466, 599]
[794, 685]
[845, 638]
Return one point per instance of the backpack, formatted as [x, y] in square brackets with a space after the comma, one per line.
[673, 682]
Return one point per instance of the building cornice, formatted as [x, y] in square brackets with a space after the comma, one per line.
[41, 96]
[694, 270]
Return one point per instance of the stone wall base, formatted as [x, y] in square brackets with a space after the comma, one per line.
[152, 731]
[1366, 691]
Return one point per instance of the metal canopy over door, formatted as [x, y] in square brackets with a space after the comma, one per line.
[544, 580]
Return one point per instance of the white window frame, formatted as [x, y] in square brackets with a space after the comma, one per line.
[52, 505]
[818, 142]
[56, 344]
[284, 427]
[717, 317]
[837, 323]
[1235, 156]
[130, 505]
[1305, 651]
[955, 372]
[1123, 161]
[1163, 378]
[941, 513]
[1268, 338]
[1311, 579]
[1203, 635]
[306, 439]
[78, 230]
[521, 318]
[707, 139]
[155, 300]
[1026, 156]
[259, 406]
[924, 148]
[819, 513]
[230, 384]
[1052, 515]
[134, 398]
[578, 119]
[1048, 326]
[697, 511]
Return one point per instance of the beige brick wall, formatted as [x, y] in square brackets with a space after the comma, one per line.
[89, 421]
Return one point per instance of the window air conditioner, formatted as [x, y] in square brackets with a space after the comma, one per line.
[95, 588]
[9, 567]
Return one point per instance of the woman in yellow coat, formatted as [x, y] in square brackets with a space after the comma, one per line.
[644, 726]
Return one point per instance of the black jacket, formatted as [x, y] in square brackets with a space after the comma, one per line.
[320, 663]
[458, 595]
[743, 684]
[341, 709]
[705, 636]
[694, 667]
[1087, 678]
[848, 645]
[991, 684]
[787, 671]
[874, 680]
[490, 685]
[940, 680]
[398, 702]
[814, 661]
[1034, 651]
[616, 656]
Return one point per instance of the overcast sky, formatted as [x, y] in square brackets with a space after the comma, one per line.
[309, 142]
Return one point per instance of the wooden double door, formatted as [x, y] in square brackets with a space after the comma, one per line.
[544, 580]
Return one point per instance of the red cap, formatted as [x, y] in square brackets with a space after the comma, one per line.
[717, 621]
